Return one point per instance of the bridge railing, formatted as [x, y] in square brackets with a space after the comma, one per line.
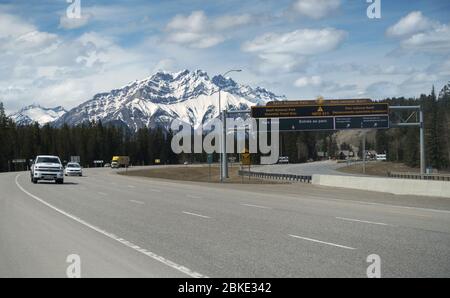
[277, 176]
[405, 175]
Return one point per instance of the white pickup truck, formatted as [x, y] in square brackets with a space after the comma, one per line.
[47, 167]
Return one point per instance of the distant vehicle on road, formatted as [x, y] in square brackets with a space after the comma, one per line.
[47, 167]
[107, 165]
[73, 169]
[283, 159]
[381, 157]
[120, 162]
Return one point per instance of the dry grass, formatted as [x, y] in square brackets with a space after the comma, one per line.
[196, 174]
[378, 168]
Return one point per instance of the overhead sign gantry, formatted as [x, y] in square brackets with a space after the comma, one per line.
[325, 114]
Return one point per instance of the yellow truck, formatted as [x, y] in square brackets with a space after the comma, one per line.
[120, 162]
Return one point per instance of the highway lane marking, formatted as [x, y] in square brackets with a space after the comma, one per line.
[256, 206]
[137, 202]
[129, 244]
[409, 214]
[154, 190]
[194, 197]
[325, 199]
[195, 214]
[363, 221]
[322, 242]
[102, 193]
[131, 186]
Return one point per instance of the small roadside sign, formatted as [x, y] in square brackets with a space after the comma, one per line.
[246, 159]
[210, 158]
[19, 161]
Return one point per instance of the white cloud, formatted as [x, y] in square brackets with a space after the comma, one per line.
[419, 34]
[37, 66]
[315, 9]
[435, 40]
[413, 23]
[313, 81]
[73, 23]
[198, 31]
[328, 88]
[383, 89]
[303, 42]
[287, 52]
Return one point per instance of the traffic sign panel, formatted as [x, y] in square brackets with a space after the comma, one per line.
[295, 111]
[358, 122]
[311, 123]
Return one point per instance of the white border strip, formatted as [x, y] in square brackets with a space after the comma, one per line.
[150, 254]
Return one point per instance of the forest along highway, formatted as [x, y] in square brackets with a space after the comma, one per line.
[124, 226]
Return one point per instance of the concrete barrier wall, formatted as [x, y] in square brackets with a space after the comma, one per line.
[389, 185]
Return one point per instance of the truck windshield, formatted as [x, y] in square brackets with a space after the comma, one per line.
[47, 160]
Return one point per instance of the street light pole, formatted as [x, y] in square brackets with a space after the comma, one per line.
[223, 142]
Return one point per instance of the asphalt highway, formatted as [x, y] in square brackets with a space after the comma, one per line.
[137, 227]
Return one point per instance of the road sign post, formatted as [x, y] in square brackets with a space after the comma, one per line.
[364, 153]
[209, 159]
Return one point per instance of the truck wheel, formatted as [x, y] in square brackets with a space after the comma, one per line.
[34, 180]
[59, 181]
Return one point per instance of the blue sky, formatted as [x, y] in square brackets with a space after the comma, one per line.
[299, 48]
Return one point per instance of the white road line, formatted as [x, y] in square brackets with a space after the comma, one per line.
[131, 186]
[137, 202]
[102, 193]
[150, 254]
[154, 190]
[195, 214]
[194, 197]
[256, 206]
[363, 221]
[323, 242]
[325, 199]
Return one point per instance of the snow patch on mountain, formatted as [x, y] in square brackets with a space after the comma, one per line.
[191, 97]
[36, 113]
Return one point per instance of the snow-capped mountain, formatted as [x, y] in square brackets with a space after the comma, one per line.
[191, 97]
[36, 113]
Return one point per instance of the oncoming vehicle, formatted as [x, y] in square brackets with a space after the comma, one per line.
[73, 169]
[47, 167]
[120, 161]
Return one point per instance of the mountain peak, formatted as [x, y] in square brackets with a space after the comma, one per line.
[189, 96]
[36, 113]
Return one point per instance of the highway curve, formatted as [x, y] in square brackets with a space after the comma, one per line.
[136, 227]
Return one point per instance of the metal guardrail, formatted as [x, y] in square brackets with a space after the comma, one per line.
[418, 176]
[275, 176]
